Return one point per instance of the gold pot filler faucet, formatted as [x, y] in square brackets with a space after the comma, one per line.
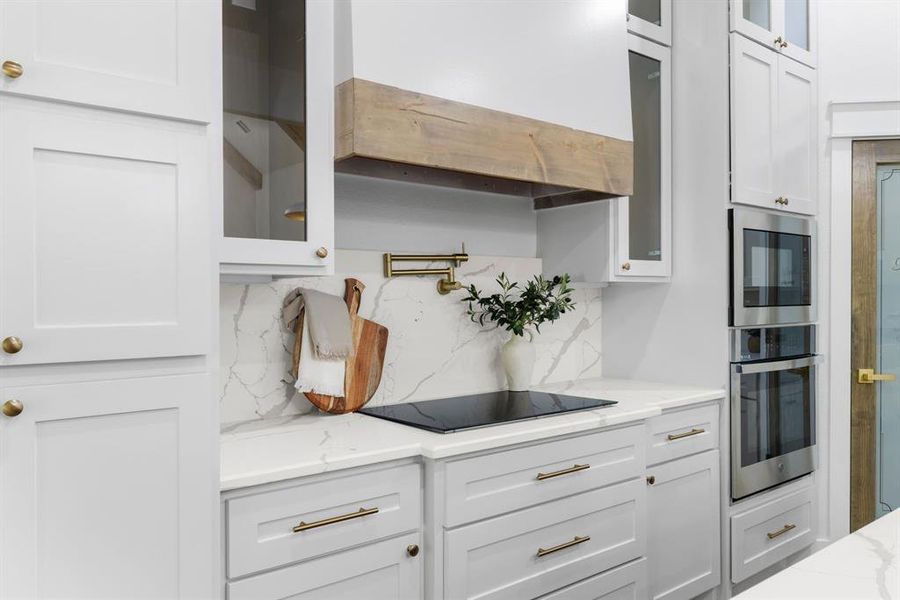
[445, 285]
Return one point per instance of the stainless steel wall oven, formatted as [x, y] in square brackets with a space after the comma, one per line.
[773, 406]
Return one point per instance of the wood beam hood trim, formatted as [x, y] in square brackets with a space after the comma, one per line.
[460, 145]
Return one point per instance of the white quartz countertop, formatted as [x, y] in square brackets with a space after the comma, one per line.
[861, 565]
[264, 451]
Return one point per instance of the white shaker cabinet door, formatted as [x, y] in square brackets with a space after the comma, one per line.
[683, 531]
[754, 122]
[149, 56]
[107, 492]
[104, 235]
[796, 139]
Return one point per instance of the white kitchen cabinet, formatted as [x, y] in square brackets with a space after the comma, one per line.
[386, 570]
[147, 57]
[773, 131]
[683, 548]
[107, 490]
[277, 145]
[628, 582]
[651, 19]
[105, 245]
[771, 531]
[785, 26]
[541, 549]
[624, 239]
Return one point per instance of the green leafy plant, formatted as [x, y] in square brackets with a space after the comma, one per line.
[519, 308]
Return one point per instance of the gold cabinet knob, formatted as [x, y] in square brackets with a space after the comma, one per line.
[412, 549]
[322, 252]
[651, 479]
[12, 69]
[11, 344]
[626, 266]
[12, 408]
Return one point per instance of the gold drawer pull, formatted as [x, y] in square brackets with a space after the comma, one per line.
[774, 534]
[678, 436]
[552, 474]
[578, 540]
[362, 512]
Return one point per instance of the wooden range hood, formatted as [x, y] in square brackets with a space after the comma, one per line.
[397, 134]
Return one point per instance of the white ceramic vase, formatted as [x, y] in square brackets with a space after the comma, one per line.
[517, 356]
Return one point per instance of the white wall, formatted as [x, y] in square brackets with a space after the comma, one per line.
[676, 332]
[859, 60]
[377, 214]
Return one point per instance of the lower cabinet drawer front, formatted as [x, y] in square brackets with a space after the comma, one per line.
[260, 528]
[772, 532]
[493, 484]
[499, 558]
[682, 432]
[380, 571]
[628, 582]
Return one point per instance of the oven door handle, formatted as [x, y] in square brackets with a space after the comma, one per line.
[780, 365]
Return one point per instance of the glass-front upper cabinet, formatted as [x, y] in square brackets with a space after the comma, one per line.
[277, 137]
[651, 19]
[643, 221]
[787, 26]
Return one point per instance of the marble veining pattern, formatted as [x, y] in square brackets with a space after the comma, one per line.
[433, 349]
[861, 565]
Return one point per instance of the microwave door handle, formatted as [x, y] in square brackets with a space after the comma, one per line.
[780, 365]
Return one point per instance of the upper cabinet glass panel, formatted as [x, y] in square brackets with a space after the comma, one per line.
[785, 26]
[648, 10]
[264, 120]
[644, 207]
[758, 12]
[651, 19]
[796, 23]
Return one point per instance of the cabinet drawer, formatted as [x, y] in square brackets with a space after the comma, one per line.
[682, 432]
[502, 482]
[343, 512]
[380, 571]
[772, 532]
[541, 549]
[628, 582]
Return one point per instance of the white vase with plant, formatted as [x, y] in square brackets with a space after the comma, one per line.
[521, 310]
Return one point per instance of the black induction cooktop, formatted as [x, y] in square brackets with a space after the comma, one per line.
[480, 410]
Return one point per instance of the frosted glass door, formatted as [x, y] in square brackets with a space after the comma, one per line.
[887, 335]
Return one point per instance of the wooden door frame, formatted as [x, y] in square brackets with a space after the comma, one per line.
[867, 155]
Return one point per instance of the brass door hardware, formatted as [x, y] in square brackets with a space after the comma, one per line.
[626, 266]
[774, 534]
[782, 201]
[12, 408]
[780, 42]
[651, 479]
[678, 436]
[552, 474]
[870, 376]
[445, 285]
[12, 69]
[578, 540]
[11, 344]
[322, 252]
[362, 512]
[413, 550]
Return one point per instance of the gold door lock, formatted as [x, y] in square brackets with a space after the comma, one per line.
[870, 376]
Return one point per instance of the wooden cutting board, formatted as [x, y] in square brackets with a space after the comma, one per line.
[363, 368]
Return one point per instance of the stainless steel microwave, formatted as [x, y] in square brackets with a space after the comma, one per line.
[773, 268]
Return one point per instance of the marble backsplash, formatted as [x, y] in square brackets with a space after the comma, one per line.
[433, 350]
